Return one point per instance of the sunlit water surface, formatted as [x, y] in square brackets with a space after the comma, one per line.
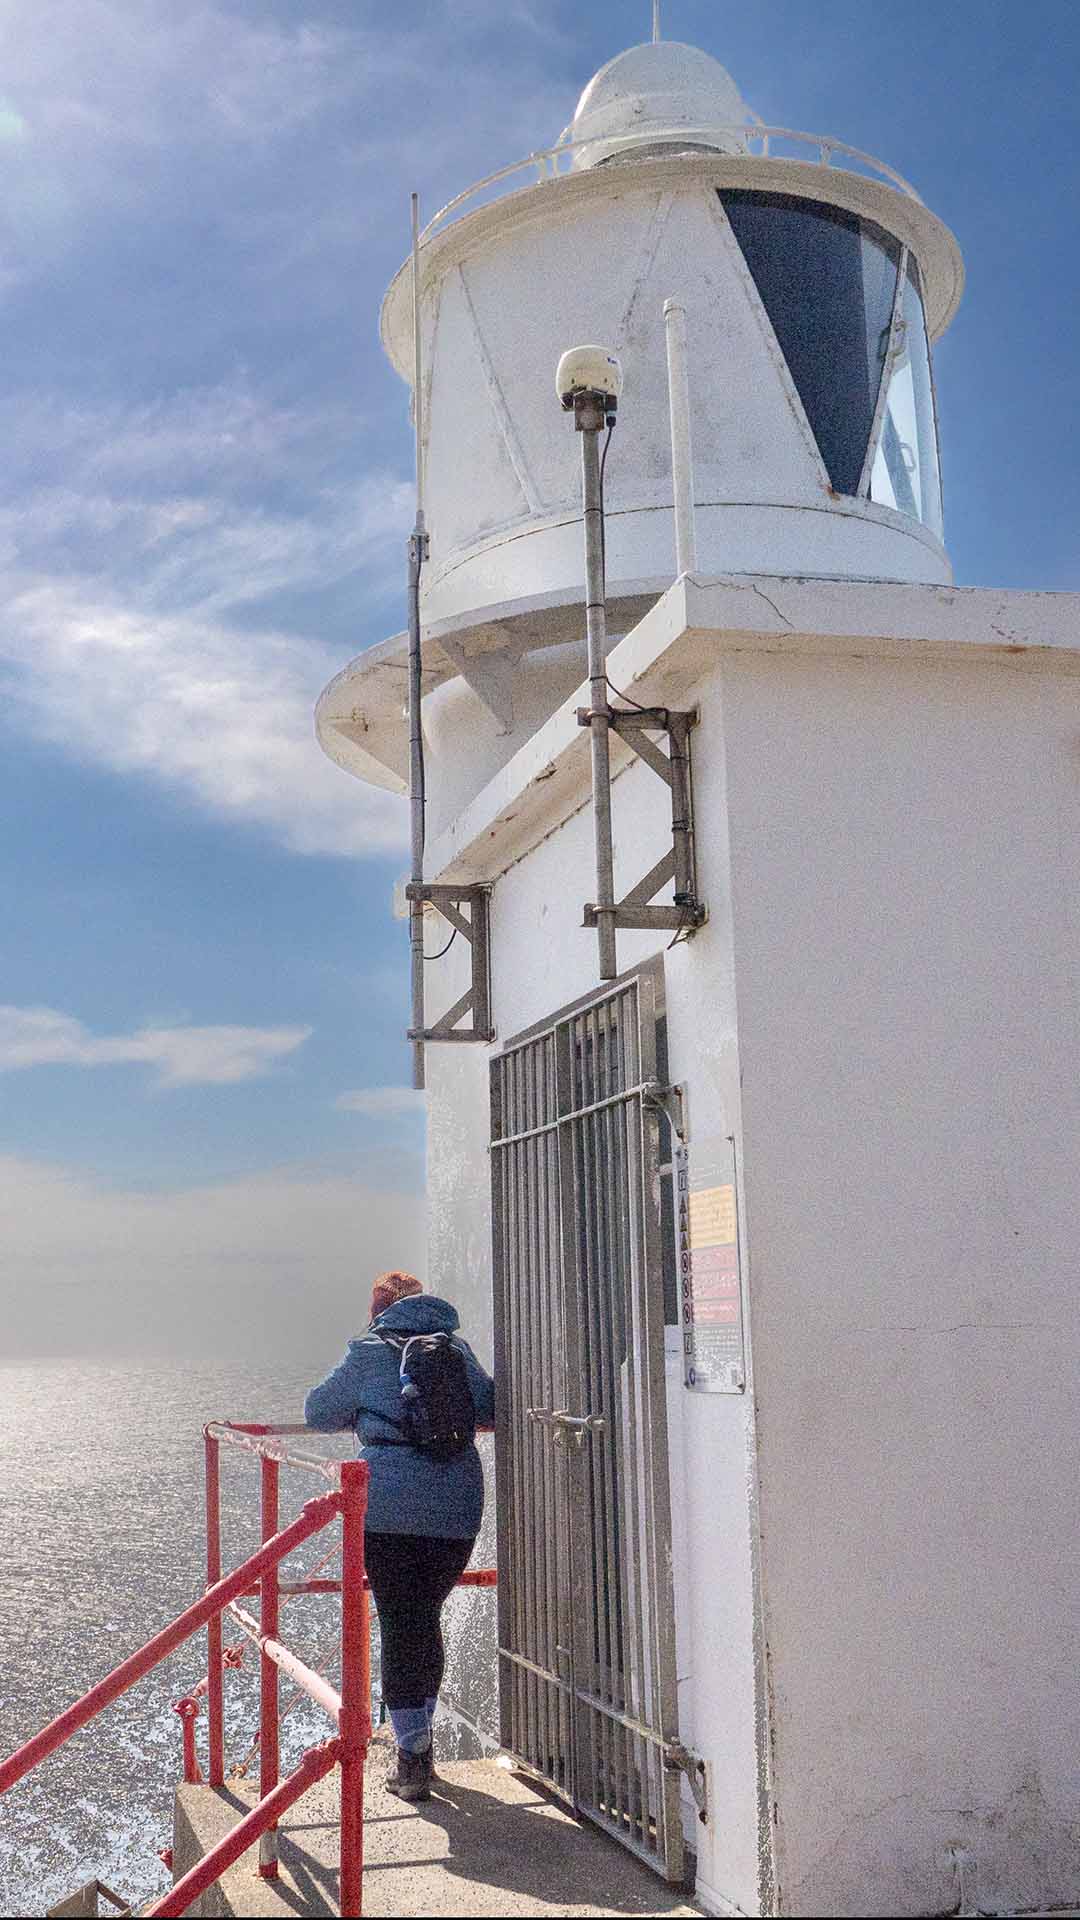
[102, 1542]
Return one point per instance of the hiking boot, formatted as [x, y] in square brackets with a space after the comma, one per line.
[411, 1778]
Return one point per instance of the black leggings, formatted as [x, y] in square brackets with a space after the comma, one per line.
[411, 1575]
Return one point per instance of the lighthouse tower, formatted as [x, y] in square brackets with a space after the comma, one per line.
[772, 1224]
[813, 290]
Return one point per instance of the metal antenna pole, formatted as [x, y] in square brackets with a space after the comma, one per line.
[418, 545]
[589, 412]
[655, 20]
[418, 363]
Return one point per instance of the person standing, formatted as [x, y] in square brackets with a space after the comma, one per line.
[424, 1510]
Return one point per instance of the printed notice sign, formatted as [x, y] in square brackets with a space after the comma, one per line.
[707, 1238]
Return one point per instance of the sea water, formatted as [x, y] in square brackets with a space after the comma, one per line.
[102, 1543]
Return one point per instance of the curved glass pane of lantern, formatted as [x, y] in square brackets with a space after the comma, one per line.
[906, 473]
[827, 281]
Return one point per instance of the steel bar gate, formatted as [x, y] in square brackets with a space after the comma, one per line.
[586, 1603]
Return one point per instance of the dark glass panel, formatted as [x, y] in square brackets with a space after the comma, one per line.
[827, 281]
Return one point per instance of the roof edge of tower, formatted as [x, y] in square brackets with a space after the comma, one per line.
[896, 208]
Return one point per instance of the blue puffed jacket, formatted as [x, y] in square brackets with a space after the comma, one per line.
[408, 1491]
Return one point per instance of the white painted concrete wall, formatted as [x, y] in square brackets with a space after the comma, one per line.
[459, 1268]
[543, 959]
[538, 684]
[890, 856]
[906, 876]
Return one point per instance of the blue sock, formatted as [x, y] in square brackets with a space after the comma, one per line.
[430, 1705]
[412, 1730]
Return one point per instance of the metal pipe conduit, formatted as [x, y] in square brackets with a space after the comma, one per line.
[313, 1684]
[417, 796]
[682, 459]
[589, 419]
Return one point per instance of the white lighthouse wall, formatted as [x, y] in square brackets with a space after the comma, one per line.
[501, 302]
[905, 845]
[459, 1268]
[890, 859]
[543, 959]
[537, 685]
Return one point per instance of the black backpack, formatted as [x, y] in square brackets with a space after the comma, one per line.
[438, 1413]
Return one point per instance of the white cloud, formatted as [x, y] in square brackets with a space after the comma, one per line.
[101, 98]
[181, 1056]
[115, 103]
[276, 1263]
[381, 1100]
[152, 662]
[222, 716]
[146, 539]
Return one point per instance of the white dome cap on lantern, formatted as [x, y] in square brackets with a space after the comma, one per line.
[661, 93]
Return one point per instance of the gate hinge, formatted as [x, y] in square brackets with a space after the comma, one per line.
[671, 1102]
[679, 1759]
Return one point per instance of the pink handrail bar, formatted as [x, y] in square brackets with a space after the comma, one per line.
[315, 1515]
[348, 1751]
[316, 1762]
[313, 1684]
[263, 1440]
[350, 1711]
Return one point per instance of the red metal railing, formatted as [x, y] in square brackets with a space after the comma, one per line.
[349, 1710]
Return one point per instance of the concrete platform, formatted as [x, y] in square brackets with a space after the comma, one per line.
[486, 1843]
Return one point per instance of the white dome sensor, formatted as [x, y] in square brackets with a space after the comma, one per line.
[588, 370]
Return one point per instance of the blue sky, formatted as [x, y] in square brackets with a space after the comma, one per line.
[203, 503]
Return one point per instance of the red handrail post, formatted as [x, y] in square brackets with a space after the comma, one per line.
[215, 1691]
[315, 1515]
[207, 1871]
[268, 1695]
[188, 1709]
[355, 1722]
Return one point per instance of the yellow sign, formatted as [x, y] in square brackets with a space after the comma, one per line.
[712, 1217]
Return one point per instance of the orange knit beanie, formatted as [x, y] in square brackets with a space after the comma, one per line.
[390, 1287]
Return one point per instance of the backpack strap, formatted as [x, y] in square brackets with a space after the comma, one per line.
[414, 1340]
[411, 1340]
[402, 1347]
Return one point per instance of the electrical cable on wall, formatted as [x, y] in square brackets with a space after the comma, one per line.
[603, 511]
[442, 950]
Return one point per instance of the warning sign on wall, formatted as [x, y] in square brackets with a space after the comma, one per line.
[707, 1238]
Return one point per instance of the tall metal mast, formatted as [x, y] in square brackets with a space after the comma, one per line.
[590, 413]
[418, 544]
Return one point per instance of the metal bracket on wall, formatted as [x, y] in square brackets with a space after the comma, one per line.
[635, 909]
[679, 1758]
[473, 925]
[671, 1102]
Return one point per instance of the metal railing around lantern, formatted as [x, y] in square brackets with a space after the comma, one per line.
[752, 140]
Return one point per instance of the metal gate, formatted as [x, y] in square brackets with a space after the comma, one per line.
[586, 1602]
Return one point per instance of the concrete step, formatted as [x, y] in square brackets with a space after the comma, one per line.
[486, 1843]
